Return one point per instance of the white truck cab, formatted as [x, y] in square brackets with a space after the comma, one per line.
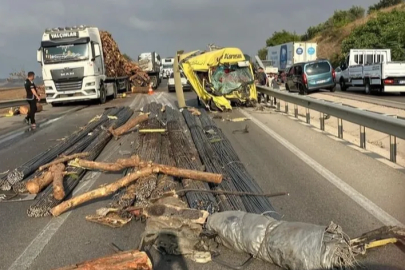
[167, 67]
[73, 67]
[373, 70]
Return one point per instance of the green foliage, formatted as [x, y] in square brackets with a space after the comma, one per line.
[282, 37]
[383, 4]
[386, 31]
[262, 53]
[127, 57]
[339, 19]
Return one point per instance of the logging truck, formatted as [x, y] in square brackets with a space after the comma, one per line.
[150, 63]
[73, 66]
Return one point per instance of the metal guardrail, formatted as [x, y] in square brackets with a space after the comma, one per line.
[16, 103]
[365, 119]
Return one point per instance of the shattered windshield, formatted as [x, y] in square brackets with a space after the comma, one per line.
[66, 53]
[228, 79]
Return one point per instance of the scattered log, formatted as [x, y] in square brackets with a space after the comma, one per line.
[135, 161]
[139, 90]
[35, 185]
[100, 192]
[58, 174]
[131, 259]
[63, 160]
[128, 125]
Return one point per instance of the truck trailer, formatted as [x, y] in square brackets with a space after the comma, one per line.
[285, 55]
[73, 66]
[150, 63]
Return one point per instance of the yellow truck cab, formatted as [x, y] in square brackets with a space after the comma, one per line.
[221, 78]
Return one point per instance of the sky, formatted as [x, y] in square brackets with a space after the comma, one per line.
[164, 26]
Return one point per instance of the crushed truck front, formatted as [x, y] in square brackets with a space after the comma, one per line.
[220, 78]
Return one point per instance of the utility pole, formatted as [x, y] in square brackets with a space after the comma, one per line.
[177, 81]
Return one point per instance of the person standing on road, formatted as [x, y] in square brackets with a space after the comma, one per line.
[262, 80]
[32, 97]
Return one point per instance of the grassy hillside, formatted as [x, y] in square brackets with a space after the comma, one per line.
[330, 42]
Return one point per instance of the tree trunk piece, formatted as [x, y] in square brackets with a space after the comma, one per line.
[63, 160]
[58, 175]
[37, 184]
[128, 125]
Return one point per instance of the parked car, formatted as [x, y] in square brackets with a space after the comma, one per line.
[184, 82]
[311, 76]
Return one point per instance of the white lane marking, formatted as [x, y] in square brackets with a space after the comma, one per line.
[360, 199]
[32, 251]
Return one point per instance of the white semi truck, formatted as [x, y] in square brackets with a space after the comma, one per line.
[73, 66]
[167, 67]
[374, 70]
[285, 55]
[150, 63]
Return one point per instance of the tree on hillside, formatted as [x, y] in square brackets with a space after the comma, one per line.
[383, 4]
[282, 37]
[127, 57]
[386, 31]
[262, 53]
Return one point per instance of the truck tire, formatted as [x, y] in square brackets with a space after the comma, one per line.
[103, 97]
[367, 88]
[115, 93]
[154, 80]
[343, 86]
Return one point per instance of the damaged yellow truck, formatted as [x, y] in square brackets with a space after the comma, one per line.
[221, 78]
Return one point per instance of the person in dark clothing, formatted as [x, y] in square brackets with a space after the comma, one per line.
[32, 97]
[262, 80]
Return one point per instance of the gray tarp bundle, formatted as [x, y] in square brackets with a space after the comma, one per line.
[291, 245]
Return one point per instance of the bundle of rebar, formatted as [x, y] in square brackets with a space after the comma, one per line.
[31, 166]
[73, 174]
[213, 163]
[186, 156]
[235, 169]
[20, 187]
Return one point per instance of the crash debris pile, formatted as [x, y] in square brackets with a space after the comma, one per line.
[184, 180]
[117, 65]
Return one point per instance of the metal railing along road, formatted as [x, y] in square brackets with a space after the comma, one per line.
[387, 124]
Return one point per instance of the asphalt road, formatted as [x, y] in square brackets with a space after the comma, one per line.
[327, 181]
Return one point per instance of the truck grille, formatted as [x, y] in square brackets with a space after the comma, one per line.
[69, 86]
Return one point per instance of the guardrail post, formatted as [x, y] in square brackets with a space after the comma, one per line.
[286, 108]
[296, 110]
[308, 117]
[340, 128]
[271, 102]
[363, 137]
[393, 148]
[278, 105]
[322, 121]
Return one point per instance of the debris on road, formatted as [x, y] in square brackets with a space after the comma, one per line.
[131, 259]
[190, 188]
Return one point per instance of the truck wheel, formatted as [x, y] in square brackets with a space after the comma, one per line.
[154, 81]
[368, 87]
[103, 97]
[115, 94]
[342, 83]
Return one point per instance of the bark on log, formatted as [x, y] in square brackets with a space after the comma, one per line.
[128, 125]
[135, 161]
[37, 184]
[63, 160]
[57, 173]
[132, 259]
[100, 192]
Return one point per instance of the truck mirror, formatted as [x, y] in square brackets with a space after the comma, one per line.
[39, 55]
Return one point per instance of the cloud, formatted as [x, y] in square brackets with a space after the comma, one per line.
[160, 25]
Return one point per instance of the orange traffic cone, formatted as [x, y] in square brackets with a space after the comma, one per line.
[150, 90]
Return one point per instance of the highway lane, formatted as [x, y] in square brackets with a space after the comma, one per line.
[47, 243]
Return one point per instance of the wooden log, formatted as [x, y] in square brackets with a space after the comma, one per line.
[63, 160]
[135, 161]
[34, 186]
[57, 174]
[132, 259]
[100, 192]
[128, 125]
